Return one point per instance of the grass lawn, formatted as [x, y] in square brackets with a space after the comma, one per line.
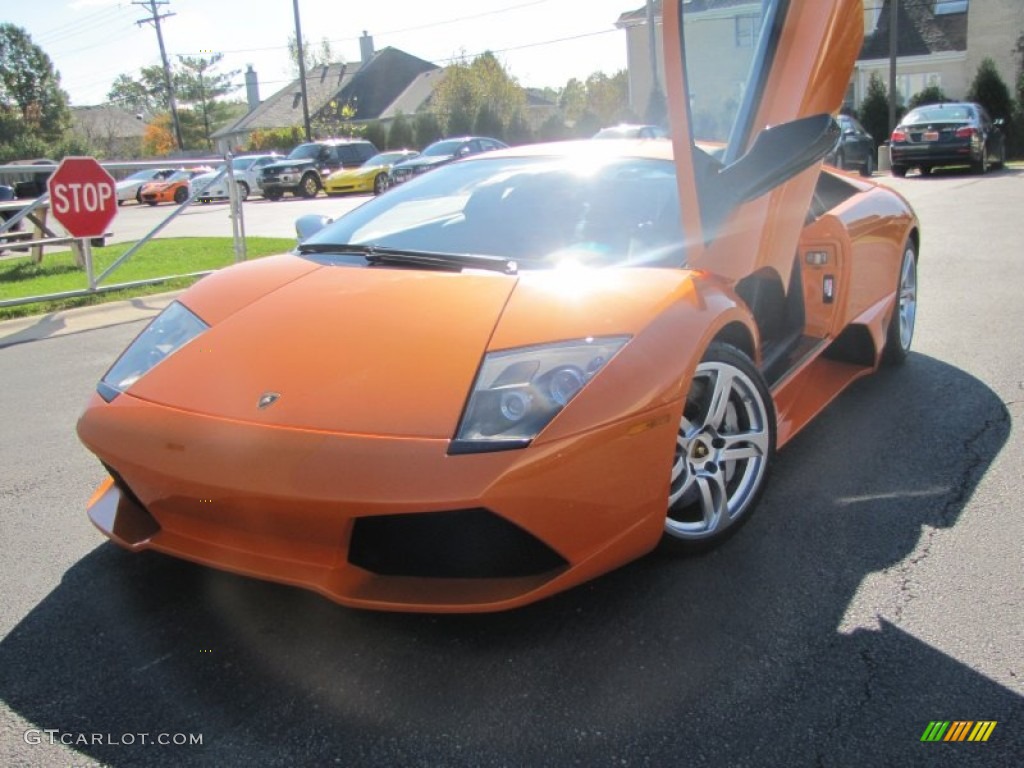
[57, 272]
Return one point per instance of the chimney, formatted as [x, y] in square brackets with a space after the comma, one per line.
[252, 88]
[365, 47]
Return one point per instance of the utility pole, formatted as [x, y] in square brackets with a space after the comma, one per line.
[155, 17]
[302, 72]
[893, 53]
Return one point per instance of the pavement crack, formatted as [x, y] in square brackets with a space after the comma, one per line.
[978, 455]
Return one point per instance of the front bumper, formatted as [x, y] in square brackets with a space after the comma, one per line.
[377, 522]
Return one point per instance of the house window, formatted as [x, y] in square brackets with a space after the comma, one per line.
[746, 30]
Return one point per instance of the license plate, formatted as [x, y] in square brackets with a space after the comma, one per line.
[931, 135]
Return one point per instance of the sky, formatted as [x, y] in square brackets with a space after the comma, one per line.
[541, 42]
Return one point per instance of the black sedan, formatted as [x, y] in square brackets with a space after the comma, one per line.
[856, 148]
[442, 152]
[959, 133]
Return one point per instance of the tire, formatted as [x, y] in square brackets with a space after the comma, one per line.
[138, 196]
[868, 169]
[981, 166]
[900, 333]
[151, 202]
[273, 194]
[840, 161]
[1001, 162]
[243, 191]
[727, 410]
[926, 170]
[180, 195]
[380, 183]
[309, 186]
[899, 170]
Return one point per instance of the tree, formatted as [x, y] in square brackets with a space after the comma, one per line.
[336, 119]
[376, 134]
[933, 94]
[874, 109]
[519, 130]
[145, 94]
[989, 90]
[197, 83]
[468, 86]
[313, 56]
[400, 135]
[158, 138]
[608, 97]
[488, 123]
[32, 103]
[427, 128]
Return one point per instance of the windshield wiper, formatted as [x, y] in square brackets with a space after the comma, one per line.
[378, 254]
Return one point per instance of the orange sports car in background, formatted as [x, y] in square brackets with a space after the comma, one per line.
[527, 368]
[174, 189]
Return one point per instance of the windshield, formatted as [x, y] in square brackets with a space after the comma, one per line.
[180, 176]
[386, 158]
[305, 152]
[537, 211]
[443, 148]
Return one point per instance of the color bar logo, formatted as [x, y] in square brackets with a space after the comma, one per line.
[958, 730]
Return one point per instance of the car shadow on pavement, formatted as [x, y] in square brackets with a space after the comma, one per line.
[745, 656]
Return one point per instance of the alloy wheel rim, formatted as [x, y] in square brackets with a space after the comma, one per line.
[908, 298]
[721, 452]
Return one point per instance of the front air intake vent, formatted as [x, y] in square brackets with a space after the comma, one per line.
[462, 544]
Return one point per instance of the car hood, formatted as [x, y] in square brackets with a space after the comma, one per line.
[379, 351]
[287, 164]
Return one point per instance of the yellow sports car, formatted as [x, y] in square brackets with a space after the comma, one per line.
[372, 176]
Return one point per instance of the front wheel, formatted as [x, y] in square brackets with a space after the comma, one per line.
[380, 184]
[901, 327]
[724, 446]
[309, 186]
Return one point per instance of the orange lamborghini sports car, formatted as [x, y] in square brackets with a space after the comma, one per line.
[531, 366]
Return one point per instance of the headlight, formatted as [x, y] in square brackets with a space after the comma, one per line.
[171, 330]
[518, 392]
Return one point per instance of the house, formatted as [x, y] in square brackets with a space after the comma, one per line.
[110, 130]
[939, 42]
[385, 83]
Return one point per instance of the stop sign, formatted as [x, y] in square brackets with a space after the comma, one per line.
[82, 196]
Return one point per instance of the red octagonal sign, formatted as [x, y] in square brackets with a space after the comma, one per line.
[82, 196]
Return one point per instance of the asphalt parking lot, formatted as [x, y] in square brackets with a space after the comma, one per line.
[879, 587]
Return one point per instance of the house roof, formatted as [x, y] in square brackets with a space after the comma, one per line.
[919, 32]
[107, 120]
[284, 108]
[386, 77]
[417, 93]
[372, 88]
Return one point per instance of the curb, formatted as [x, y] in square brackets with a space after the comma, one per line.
[22, 330]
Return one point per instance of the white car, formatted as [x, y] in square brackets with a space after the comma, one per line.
[130, 188]
[246, 169]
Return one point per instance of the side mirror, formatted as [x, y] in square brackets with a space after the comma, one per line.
[779, 153]
[308, 225]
